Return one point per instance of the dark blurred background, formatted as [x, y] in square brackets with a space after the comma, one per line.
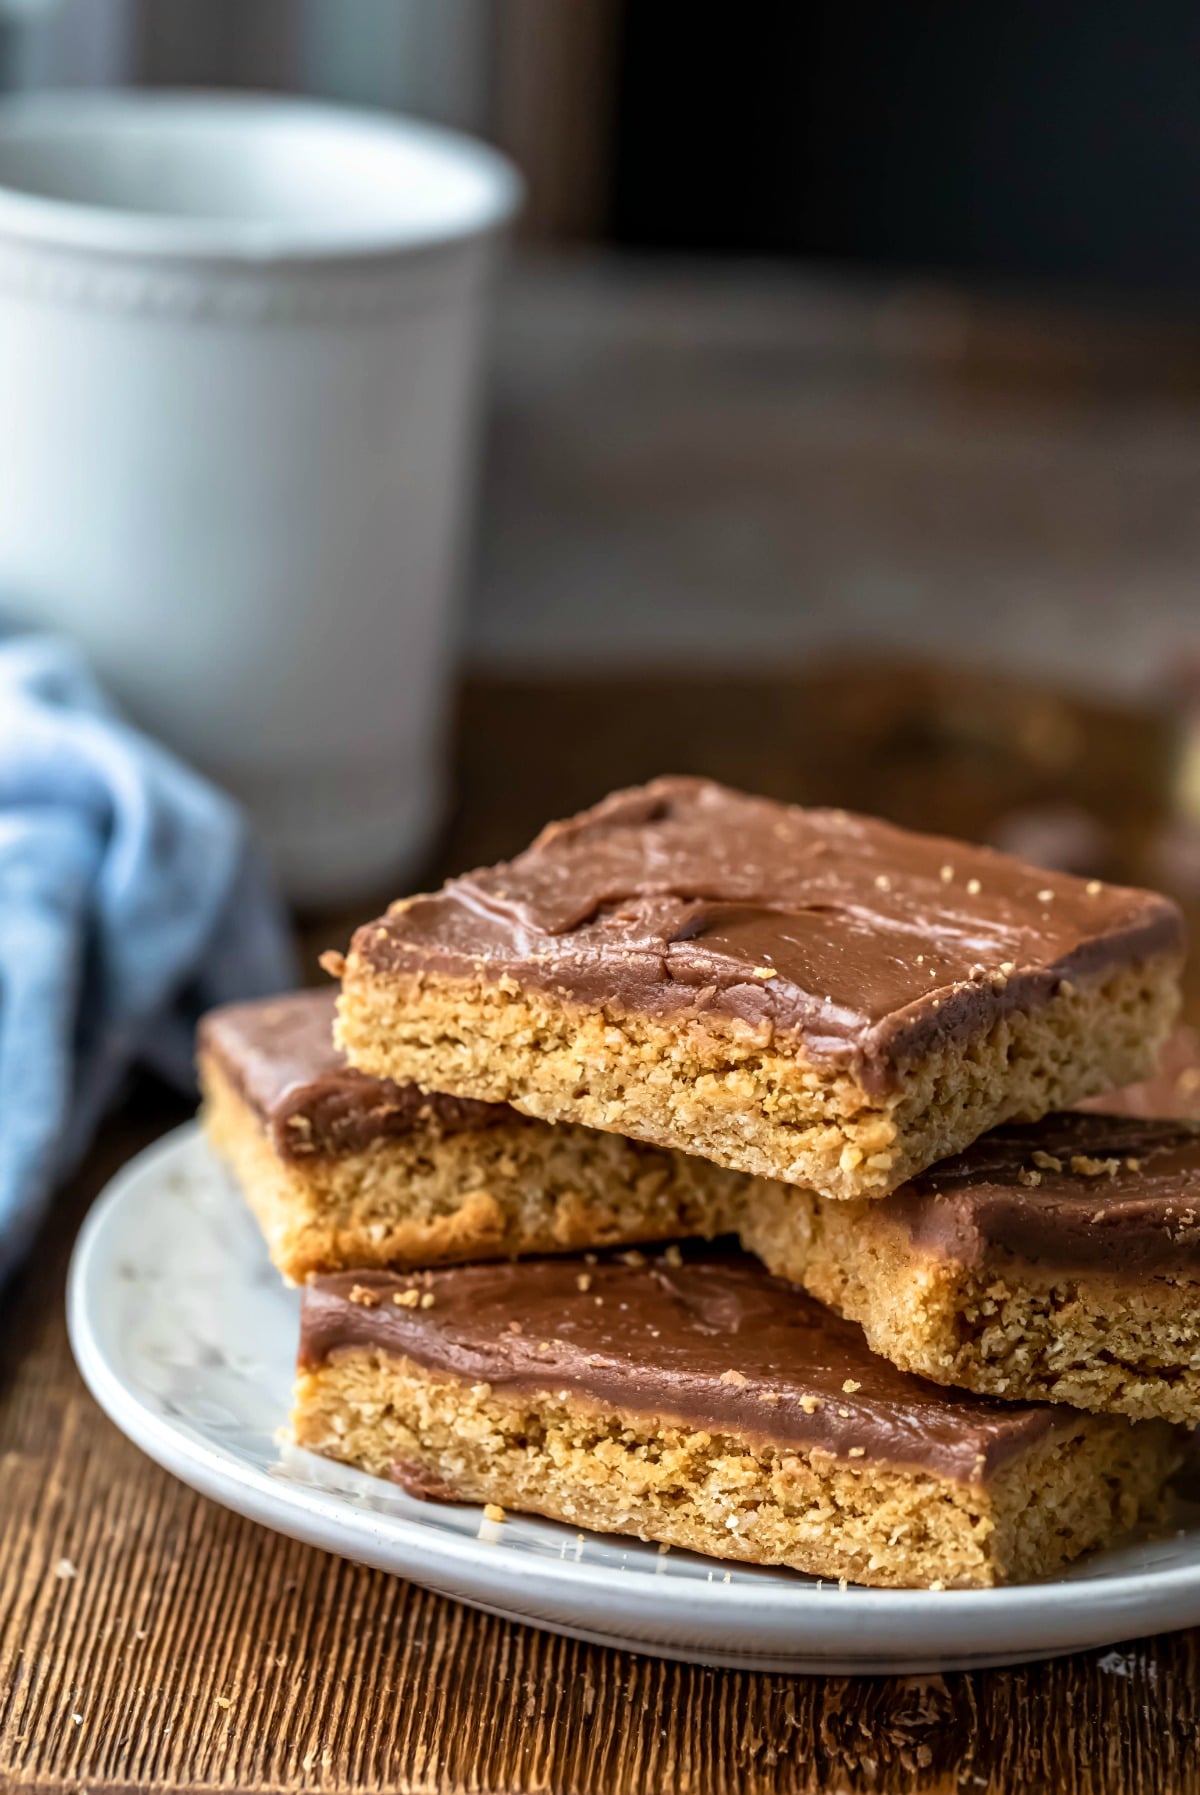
[854, 327]
[863, 337]
[1015, 141]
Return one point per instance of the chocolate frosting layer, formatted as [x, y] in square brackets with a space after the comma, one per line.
[279, 1054]
[712, 1341]
[1076, 1192]
[867, 941]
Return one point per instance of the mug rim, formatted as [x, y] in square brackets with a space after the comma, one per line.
[483, 188]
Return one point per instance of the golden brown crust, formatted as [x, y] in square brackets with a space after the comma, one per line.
[736, 1094]
[495, 1193]
[1108, 1342]
[1116, 1343]
[726, 1497]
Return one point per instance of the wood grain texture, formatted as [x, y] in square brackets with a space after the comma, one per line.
[151, 1641]
[735, 463]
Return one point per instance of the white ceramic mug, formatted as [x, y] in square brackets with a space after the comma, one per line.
[239, 369]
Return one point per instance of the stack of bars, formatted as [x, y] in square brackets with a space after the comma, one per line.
[724, 1173]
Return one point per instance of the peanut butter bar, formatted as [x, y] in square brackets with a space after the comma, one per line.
[1057, 1262]
[345, 1170]
[1054, 1262]
[702, 1403]
[798, 994]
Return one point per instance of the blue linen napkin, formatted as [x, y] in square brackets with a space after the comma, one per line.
[132, 897]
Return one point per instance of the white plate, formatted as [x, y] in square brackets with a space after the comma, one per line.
[186, 1337]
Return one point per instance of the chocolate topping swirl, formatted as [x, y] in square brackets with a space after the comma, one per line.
[869, 942]
[1079, 1192]
[710, 1340]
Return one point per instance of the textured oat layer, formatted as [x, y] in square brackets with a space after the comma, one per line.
[736, 1094]
[414, 1201]
[1117, 1344]
[1124, 1344]
[731, 1498]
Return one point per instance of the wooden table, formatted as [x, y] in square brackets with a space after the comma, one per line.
[150, 1640]
[737, 463]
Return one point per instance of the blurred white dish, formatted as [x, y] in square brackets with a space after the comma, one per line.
[186, 1337]
[239, 350]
